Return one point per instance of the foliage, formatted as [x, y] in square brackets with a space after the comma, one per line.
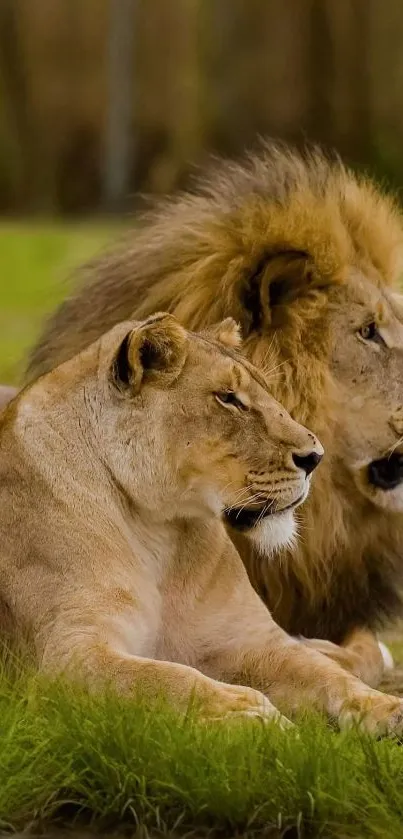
[35, 263]
[65, 755]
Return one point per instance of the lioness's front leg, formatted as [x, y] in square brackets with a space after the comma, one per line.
[294, 677]
[251, 649]
[88, 656]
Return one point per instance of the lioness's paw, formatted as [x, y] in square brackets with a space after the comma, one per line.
[376, 713]
[237, 701]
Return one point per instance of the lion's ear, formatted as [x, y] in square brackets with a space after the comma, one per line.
[278, 281]
[227, 332]
[156, 348]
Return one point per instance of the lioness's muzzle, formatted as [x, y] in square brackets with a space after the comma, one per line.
[387, 472]
[244, 518]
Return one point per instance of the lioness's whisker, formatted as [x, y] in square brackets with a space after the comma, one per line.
[277, 367]
[240, 496]
[241, 509]
[268, 353]
[393, 448]
[264, 511]
[249, 500]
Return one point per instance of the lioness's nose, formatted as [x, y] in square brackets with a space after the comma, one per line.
[308, 462]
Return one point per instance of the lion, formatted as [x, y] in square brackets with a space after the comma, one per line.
[119, 470]
[307, 256]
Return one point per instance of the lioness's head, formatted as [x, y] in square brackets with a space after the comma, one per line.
[187, 427]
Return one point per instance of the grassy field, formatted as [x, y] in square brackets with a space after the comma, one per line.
[66, 758]
[36, 262]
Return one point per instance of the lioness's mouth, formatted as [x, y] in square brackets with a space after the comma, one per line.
[387, 472]
[244, 518]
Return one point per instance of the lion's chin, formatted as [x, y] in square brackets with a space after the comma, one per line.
[270, 534]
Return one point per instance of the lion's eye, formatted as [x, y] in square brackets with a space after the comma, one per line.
[228, 397]
[369, 332]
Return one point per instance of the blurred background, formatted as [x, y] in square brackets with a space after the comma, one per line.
[101, 98]
[104, 100]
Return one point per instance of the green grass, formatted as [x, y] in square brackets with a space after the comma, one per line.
[68, 757]
[65, 756]
[36, 263]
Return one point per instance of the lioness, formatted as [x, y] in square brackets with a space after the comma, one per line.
[115, 472]
[307, 257]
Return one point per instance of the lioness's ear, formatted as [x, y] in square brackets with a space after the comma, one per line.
[228, 332]
[157, 347]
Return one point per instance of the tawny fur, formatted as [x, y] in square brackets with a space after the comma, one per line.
[294, 247]
[115, 565]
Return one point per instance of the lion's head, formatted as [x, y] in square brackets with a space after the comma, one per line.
[344, 375]
[308, 258]
[366, 359]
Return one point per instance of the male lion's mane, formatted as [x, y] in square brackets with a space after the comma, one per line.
[264, 242]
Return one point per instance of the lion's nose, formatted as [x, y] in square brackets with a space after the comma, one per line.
[307, 462]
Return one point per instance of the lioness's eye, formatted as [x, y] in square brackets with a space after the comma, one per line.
[228, 397]
[370, 333]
